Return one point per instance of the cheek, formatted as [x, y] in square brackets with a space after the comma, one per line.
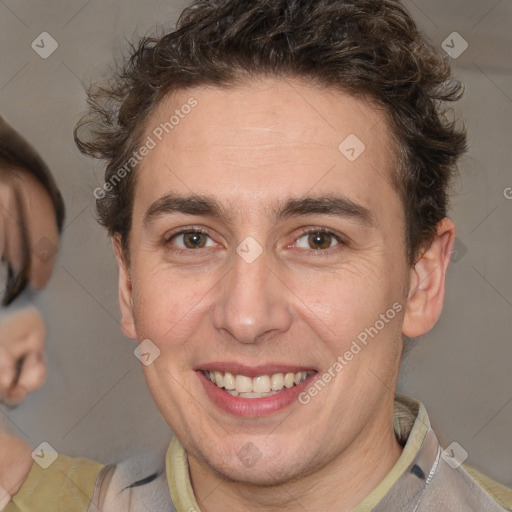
[167, 306]
[341, 305]
[339, 297]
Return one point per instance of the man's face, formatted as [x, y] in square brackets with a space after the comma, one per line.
[288, 299]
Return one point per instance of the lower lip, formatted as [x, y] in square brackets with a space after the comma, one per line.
[252, 407]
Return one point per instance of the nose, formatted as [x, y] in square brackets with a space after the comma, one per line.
[253, 302]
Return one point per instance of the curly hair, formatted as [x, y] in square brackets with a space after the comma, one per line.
[367, 48]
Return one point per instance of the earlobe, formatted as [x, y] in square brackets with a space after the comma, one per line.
[427, 283]
[125, 291]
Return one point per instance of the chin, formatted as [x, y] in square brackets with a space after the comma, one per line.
[252, 466]
[260, 475]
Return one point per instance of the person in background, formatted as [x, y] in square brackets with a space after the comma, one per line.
[31, 219]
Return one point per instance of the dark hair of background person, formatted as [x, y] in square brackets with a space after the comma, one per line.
[16, 154]
[368, 48]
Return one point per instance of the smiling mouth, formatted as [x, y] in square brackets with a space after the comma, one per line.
[258, 387]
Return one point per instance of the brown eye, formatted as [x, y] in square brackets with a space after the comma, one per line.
[191, 240]
[318, 240]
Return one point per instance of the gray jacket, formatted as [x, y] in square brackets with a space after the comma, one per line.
[430, 484]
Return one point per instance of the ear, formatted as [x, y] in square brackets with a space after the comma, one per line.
[427, 283]
[125, 291]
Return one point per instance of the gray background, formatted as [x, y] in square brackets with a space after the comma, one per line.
[95, 403]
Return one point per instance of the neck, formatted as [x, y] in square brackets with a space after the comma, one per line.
[337, 486]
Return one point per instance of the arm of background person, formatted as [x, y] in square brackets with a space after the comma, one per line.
[15, 464]
[22, 361]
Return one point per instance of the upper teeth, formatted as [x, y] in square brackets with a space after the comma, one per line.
[260, 384]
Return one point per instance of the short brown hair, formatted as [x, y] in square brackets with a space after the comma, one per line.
[368, 48]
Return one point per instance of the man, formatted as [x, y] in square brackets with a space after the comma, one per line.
[276, 192]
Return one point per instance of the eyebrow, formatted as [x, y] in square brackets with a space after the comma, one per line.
[332, 204]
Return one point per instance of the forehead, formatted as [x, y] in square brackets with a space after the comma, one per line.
[263, 140]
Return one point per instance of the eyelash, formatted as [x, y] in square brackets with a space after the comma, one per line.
[306, 231]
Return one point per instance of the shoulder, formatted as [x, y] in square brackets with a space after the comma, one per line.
[464, 489]
[137, 483]
[500, 493]
[57, 483]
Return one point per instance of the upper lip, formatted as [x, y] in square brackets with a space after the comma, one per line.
[253, 371]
